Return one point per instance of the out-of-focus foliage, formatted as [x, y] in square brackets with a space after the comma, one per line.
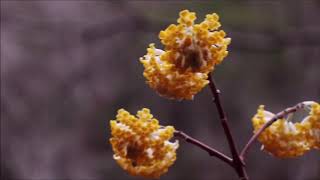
[67, 66]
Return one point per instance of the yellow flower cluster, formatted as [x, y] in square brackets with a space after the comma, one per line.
[312, 125]
[191, 52]
[286, 139]
[141, 145]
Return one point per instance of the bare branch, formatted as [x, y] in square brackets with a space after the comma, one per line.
[210, 150]
[238, 164]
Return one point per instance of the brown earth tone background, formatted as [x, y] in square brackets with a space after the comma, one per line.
[67, 66]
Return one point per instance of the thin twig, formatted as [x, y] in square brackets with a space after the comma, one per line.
[237, 161]
[223, 117]
[279, 115]
[210, 150]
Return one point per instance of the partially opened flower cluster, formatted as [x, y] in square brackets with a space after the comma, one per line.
[141, 145]
[287, 139]
[191, 52]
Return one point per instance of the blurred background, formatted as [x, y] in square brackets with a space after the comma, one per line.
[67, 66]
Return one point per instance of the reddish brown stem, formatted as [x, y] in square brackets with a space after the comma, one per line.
[237, 161]
[210, 150]
[279, 115]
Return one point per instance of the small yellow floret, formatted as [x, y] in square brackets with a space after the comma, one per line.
[141, 145]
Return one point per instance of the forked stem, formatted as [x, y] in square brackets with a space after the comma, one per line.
[237, 161]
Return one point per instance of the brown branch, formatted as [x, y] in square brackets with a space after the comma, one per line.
[237, 161]
[210, 150]
[279, 115]
[222, 116]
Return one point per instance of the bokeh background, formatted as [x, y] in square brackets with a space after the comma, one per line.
[67, 66]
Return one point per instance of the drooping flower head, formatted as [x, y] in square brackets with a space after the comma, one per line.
[283, 138]
[191, 51]
[141, 145]
[286, 139]
[312, 125]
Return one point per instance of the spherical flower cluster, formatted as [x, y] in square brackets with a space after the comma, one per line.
[191, 52]
[286, 139]
[141, 145]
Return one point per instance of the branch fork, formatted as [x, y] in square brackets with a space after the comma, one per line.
[237, 160]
